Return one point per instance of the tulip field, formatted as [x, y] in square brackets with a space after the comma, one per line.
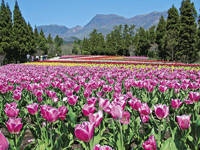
[99, 106]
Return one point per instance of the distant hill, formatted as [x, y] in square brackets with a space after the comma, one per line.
[103, 23]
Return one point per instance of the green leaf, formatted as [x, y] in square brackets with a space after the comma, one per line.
[190, 138]
[168, 144]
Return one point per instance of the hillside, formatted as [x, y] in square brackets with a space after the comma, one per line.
[104, 23]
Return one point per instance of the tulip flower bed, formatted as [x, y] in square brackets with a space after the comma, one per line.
[98, 107]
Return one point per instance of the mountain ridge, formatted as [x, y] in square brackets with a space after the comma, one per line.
[104, 23]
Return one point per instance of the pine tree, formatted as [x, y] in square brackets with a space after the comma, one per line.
[187, 51]
[170, 41]
[143, 44]
[6, 31]
[20, 33]
[160, 32]
[58, 41]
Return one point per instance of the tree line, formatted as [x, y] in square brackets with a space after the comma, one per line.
[176, 38]
[18, 38]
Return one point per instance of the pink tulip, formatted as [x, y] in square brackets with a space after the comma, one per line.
[49, 113]
[14, 125]
[105, 105]
[162, 88]
[72, 100]
[161, 111]
[3, 142]
[194, 96]
[88, 109]
[84, 131]
[125, 117]
[135, 103]
[144, 118]
[116, 111]
[104, 147]
[32, 108]
[150, 144]
[183, 121]
[11, 110]
[96, 118]
[144, 109]
[176, 103]
[17, 94]
[62, 112]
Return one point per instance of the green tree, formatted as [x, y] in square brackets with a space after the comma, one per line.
[143, 43]
[114, 41]
[20, 33]
[160, 32]
[127, 38]
[6, 31]
[187, 51]
[96, 43]
[50, 45]
[85, 46]
[58, 41]
[170, 40]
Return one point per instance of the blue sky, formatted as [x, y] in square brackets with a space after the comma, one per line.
[79, 12]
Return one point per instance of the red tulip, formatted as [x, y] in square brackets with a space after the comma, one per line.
[84, 131]
[183, 121]
[14, 125]
[150, 144]
[32, 108]
[11, 110]
[161, 111]
[3, 142]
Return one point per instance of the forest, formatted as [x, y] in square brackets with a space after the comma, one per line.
[18, 38]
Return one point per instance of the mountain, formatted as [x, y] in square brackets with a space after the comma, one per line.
[104, 23]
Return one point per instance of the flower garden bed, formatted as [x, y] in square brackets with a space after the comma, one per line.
[92, 105]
